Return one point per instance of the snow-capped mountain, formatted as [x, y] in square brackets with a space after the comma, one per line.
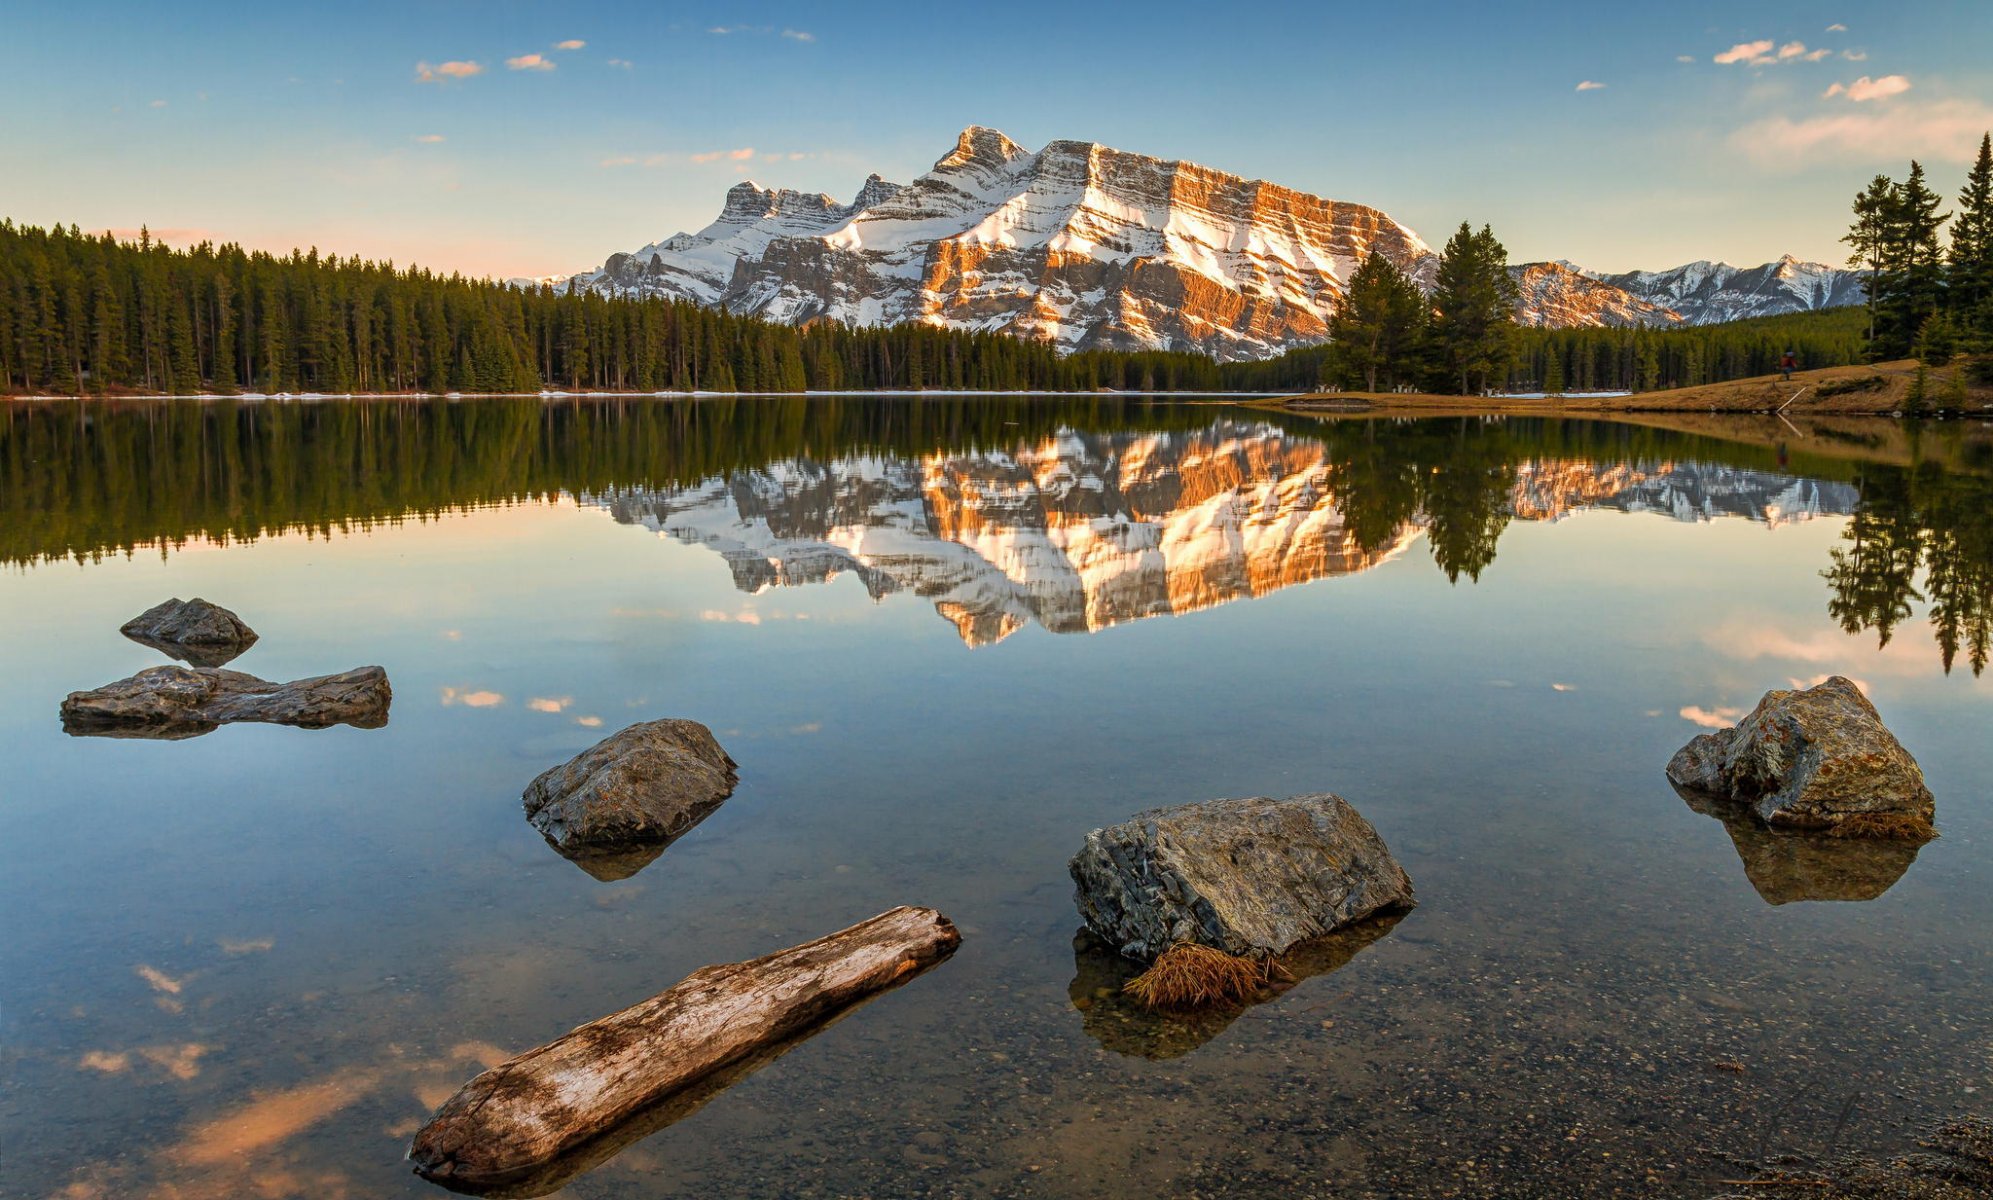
[1560, 296]
[1704, 293]
[1076, 244]
[1080, 531]
[1087, 247]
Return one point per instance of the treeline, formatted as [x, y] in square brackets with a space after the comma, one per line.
[1929, 296]
[83, 314]
[1642, 360]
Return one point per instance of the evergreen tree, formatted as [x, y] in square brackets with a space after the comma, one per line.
[1380, 326]
[1969, 283]
[1474, 304]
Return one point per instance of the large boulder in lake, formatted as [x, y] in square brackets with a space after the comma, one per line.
[182, 702]
[194, 631]
[616, 805]
[1813, 759]
[1251, 877]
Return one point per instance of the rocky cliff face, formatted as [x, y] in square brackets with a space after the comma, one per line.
[1082, 531]
[1560, 296]
[1088, 247]
[1075, 244]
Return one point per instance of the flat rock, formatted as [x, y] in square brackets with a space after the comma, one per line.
[194, 631]
[620, 802]
[1811, 759]
[1254, 876]
[177, 702]
[186, 700]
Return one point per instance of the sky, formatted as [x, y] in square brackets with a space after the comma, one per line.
[526, 139]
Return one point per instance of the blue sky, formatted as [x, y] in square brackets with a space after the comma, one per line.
[344, 127]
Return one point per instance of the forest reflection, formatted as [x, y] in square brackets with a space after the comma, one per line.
[1074, 513]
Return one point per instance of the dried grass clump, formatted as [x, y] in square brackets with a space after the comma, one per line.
[1188, 975]
[1882, 825]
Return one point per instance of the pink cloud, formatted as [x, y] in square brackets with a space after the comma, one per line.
[1749, 53]
[445, 72]
[530, 62]
[1722, 717]
[1871, 89]
[1946, 131]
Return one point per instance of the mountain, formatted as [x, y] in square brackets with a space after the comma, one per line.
[1079, 531]
[1704, 293]
[1088, 247]
[1561, 296]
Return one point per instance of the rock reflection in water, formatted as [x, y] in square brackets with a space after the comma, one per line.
[1122, 1025]
[1788, 866]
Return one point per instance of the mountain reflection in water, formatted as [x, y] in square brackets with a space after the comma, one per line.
[1079, 531]
[1073, 513]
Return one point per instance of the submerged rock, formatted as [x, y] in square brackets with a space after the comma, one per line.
[1813, 759]
[181, 702]
[618, 804]
[194, 631]
[1251, 877]
[1121, 1023]
[1953, 1160]
[1788, 865]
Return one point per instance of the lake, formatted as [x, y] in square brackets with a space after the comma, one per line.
[945, 638]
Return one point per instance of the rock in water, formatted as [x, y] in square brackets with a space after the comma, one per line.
[1251, 877]
[179, 702]
[1813, 759]
[194, 631]
[639, 789]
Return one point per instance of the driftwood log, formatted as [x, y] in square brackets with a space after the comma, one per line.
[517, 1123]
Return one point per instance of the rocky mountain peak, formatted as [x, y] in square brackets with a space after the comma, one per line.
[1087, 247]
[980, 145]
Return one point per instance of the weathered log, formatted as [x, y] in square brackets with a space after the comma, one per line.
[523, 1116]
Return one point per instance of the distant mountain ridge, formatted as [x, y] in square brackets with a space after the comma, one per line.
[1087, 247]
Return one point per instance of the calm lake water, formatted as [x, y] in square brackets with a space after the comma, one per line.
[944, 639]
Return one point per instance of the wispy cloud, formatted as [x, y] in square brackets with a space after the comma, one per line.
[1855, 55]
[530, 62]
[159, 104]
[1797, 51]
[1590, 85]
[623, 63]
[1870, 89]
[794, 35]
[1837, 27]
[1721, 717]
[570, 44]
[549, 704]
[743, 154]
[1947, 131]
[429, 139]
[1750, 53]
[446, 71]
[1685, 58]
